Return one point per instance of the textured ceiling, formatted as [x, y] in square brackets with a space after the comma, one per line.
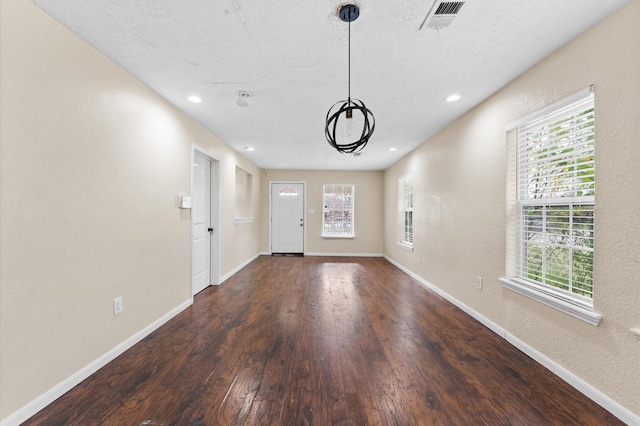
[291, 57]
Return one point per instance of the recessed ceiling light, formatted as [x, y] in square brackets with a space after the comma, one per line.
[249, 148]
[195, 99]
[452, 98]
[393, 149]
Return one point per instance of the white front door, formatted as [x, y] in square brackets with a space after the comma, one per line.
[287, 218]
[201, 225]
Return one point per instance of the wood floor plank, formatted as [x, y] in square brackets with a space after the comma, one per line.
[322, 341]
[364, 410]
[265, 412]
[237, 403]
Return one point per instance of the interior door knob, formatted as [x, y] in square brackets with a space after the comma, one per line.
[210, 229]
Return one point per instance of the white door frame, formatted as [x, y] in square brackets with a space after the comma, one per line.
[304, 211]
[214, 261]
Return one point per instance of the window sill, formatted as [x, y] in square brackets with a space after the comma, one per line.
[339, 236]
[562, 305]
[404, 246]
[240, 220]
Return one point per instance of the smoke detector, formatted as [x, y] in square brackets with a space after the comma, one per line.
[241, 100]
[441, 14]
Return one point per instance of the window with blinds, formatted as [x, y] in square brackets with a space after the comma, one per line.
[338, 211]
[555, 202]
[406, 209]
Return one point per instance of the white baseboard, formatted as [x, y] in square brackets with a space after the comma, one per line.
[594, 394]
[311, 253]
[344, 254]
[235, 270]
[63, 387]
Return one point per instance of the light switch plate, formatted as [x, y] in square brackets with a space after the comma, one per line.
[186, 201]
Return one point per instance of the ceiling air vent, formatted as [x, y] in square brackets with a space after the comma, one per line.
[441, 14]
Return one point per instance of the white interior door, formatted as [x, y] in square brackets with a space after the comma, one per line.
[287, 218]
[201, 225]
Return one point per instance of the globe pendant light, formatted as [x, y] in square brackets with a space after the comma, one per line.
[347, 113]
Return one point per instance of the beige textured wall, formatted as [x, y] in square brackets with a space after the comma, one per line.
[92, 164]
[459, 210]
[368, 210]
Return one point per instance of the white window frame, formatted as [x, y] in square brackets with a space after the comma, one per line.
[405, 201]
[534, 192]
[339, 199]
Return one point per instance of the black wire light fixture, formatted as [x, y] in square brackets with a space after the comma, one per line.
[349, 142]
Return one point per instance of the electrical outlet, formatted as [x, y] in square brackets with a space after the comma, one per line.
[117, 306]
[479, 283]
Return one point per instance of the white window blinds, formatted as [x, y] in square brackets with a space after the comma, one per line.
[555, 201]
[406, 202]
[338, 211]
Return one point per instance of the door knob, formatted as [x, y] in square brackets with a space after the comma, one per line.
[210, 229]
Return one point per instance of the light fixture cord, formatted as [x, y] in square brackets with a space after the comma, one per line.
[349, 68]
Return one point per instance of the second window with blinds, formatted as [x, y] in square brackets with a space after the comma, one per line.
[338, 211]
[405, 200]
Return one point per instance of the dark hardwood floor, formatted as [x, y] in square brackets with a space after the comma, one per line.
[322, 341]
